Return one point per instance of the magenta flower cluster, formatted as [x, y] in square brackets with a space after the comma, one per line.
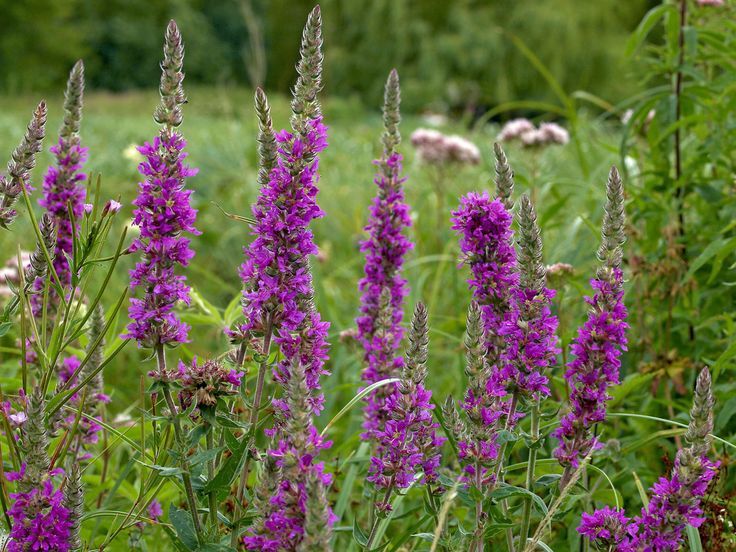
[674, 504]
[62, 186]
[164, 214]
[531, 346]
[597, 349]
[40, 521]
[486, 237]
[384, 250]
[277, 295]
[408, 442]
[284, 527]
[276, 276]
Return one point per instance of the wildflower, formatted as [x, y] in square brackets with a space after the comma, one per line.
[164, 214]
[436, 148]
[278, 297]
[485, 242]
[710, 2]
[20, 165]
[599, 343]
[277, 282]
[529, 327]
[40, 521]
[514, 129]
[283, 517]
[111, 207]
[205, 383]
[560, 269]
[379, 326]
[63, 188]
[608, 527]
[675, 501]
[408, 443]
[154, 510]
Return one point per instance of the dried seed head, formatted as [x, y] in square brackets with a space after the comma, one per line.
[504, 177]
[73, 98]
[19, 167]
[35, 443]
[74, 503]
[532, 270]
[613, 233]
[317, 526]
[701, 414]
[38, 268]
[391, 114]
[168, 111]
[475, 348]
[415, 369]
[266, 138]
[304, 103]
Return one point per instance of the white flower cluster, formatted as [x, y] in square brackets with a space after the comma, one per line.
[529, 135]
[438, 149]
[9, 273]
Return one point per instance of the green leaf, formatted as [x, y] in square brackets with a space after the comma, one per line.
[355, 400]
[358, 534]
[184, 525]
[646, 25]
[506, 491]
[229, 469]
[693, 538]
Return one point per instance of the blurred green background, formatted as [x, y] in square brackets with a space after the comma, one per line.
[451, 54]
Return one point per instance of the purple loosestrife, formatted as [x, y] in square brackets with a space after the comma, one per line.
[164, 215]
[599, 343]
[22, 161]
[286, 515]
[384, 250]
[408, 443]
[485, 242]
[529, 328]
[278, 300]
[675, 501]
[63, 188]
[277, 281]
[40, 519]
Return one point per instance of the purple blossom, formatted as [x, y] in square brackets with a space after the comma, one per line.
[63, 185]
[39, 519]
[609, 527]
[531, 346]
[384, 250]
[486, 237]
[154, 510]
[485, 232]
[597, 348]
[408, 442]
[163, 213]
[277, 280]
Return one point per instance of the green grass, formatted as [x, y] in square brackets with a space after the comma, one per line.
[220, 128]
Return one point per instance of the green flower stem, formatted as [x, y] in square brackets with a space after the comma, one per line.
[527, 512]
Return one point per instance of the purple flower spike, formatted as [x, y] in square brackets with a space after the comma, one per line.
[408, 443]
[379, 326]
[599, 343]
[164, 214]
[40, 520]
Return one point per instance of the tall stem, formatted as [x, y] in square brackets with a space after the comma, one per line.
[377, 520]
[527, 512]
[499, 469]
[211, 476]
[478, 544]
[186, 479]
[253, 421]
